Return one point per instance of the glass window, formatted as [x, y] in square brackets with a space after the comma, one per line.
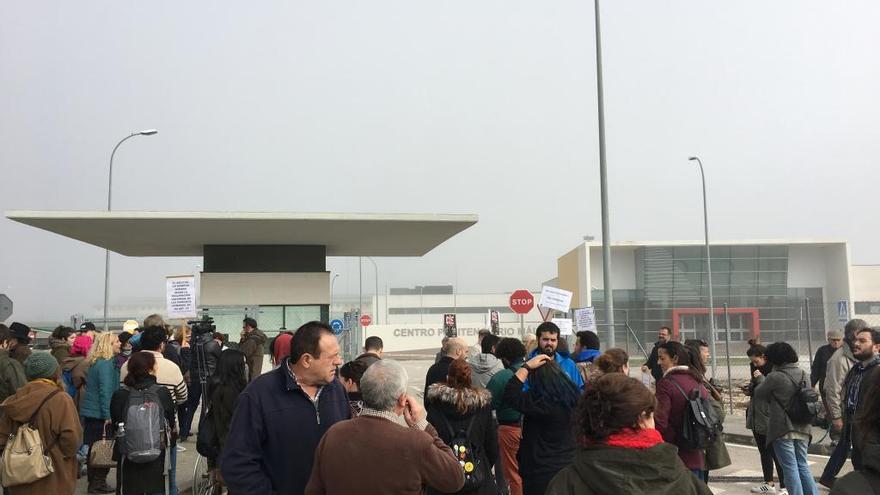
[689, 252]
[296, 316]
[743, 251]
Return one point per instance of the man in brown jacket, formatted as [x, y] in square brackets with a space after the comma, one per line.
[375, 454]
[251, 345]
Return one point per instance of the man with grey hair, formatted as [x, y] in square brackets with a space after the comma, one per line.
[375, 454]
[453, 348]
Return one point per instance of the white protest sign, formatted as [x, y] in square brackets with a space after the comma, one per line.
[585, 319]
[180, 296]
[564, 325]
[553, 298]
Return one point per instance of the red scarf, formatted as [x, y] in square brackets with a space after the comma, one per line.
[631, 438]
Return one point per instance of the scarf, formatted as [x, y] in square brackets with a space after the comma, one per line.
[632, 438]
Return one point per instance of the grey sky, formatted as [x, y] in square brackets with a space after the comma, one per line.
[485, 107]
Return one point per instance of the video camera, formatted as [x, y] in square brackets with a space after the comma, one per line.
[203, 326]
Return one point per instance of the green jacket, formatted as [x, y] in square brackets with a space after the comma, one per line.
[606, 470]
[777, 389]
[11, 375]
[503, 411]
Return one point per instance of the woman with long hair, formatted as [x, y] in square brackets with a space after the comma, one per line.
[456, 405]
[136, 478]
[620, 451]
[788, 439]
[547, 408]
[716, 455]
[102, 381]
[680, 381]
[757, 417]
[350, 375]
[224, 388]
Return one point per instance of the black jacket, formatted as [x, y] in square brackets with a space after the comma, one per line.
[547, 443]
[861, 482]
[275, 431]
[147, 477]
[437, 373]
[440, 404]
[820, 363]
[204, 354]
[656, 372]
[607, 470]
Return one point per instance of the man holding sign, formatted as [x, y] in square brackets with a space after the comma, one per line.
[548, 340]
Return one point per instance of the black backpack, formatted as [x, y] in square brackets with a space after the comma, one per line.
[467, 454]
[700, 425]
[804, 405]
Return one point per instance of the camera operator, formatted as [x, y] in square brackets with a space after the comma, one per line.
[204, 355]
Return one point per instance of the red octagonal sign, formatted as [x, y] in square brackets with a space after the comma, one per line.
[366, 320]
[522, 301]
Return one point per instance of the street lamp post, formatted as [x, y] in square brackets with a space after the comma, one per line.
[332, 283]
[708, 266]
[603, 187]
[145, 132]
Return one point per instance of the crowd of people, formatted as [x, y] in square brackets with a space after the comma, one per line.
[137, 391]
[508, 415]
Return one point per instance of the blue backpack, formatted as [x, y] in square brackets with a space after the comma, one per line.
[67, 378]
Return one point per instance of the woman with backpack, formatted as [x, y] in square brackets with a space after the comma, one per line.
[620, 450]
[135, 477]
[547, 407]
[680, 382]
[42, 403]
[225, 385]
[757, 417]
[462, 416]
[102, 381]
[789, 438]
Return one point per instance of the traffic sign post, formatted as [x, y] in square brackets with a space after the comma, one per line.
[366, 320]
[338, 326]
[5, 307]
[521, 302]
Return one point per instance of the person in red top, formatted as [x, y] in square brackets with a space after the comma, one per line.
[280, 347]
[677, 364]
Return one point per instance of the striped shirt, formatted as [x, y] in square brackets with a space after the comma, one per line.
[168, 374]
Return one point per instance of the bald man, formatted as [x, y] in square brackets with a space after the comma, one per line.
[454, 348]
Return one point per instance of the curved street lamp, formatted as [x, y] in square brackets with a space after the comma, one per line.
[708, 265]
[145, 132]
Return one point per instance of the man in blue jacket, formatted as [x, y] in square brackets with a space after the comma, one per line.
[282, 415]
[548, 341]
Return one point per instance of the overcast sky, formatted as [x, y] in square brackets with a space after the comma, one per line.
[485, 107]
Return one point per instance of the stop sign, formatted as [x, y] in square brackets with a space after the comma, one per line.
[366, 320]
[522, 301]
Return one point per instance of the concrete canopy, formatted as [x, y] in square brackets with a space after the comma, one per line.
[169, 233]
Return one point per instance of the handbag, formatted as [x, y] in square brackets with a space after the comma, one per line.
[24, 459]
[101, 452]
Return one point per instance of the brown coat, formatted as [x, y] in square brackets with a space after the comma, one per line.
[369, 455]
[58, 424]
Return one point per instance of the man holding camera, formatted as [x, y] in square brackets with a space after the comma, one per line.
[205, 353]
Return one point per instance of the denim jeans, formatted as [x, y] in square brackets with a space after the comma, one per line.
[838, 457]
[792, 454]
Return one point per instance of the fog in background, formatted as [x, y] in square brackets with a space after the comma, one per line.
[485, 107]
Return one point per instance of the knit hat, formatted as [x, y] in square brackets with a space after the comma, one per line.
[81, 346]
[835, 334]
[40, 365]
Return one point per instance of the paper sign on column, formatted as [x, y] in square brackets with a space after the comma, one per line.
[553, 298]
[585, 319]
[564, 324]
[180, 296]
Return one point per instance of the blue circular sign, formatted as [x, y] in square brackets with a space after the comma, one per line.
[337, 326]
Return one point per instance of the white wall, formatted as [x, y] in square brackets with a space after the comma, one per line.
[241, 289]
[410, 337]
[623, 267]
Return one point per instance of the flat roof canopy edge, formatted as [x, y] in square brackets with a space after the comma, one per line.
[169, 233]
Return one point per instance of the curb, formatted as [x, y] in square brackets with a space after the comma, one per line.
[740, 439]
